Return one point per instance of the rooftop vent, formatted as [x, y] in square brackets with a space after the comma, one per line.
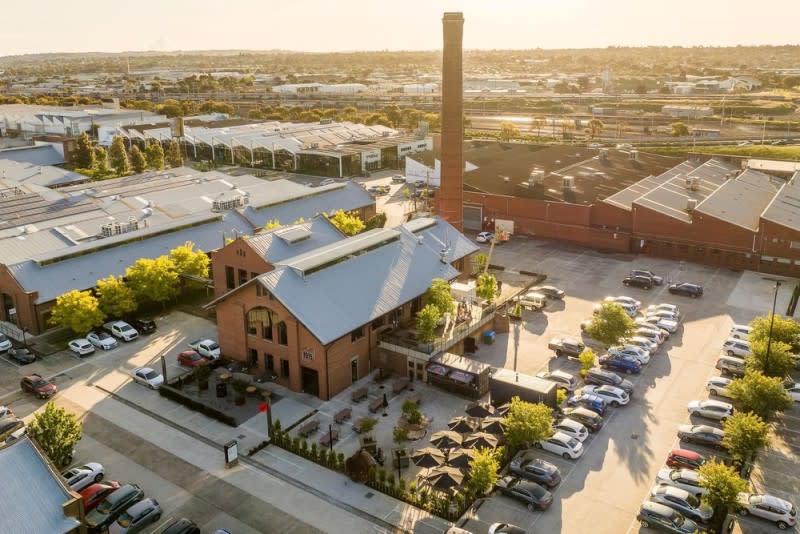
[568, 183]
[691, 204]
[633, 155]
[692, 183]
[117, 228]
[536, 177]
[230, 204]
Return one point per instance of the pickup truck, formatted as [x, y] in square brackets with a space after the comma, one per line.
[121, 330]
[206, 347]
[565, 346]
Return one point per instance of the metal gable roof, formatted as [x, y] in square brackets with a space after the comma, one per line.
[274, 249]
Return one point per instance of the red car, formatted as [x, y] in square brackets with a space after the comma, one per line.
[94, 494]
[44, 389]
[686, 459]
[190, 358]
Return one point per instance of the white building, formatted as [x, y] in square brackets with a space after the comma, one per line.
[421, 88]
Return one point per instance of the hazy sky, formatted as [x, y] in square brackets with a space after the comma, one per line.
[330, 25]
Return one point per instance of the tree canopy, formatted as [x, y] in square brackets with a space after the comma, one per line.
[595, 128]
[722, 482]
[155, 155]
[153, 279]
[745, 435]
[784, 329]
[772, 359]
[679, 129]
[527, 423]
[83, 155]
[427, 319]
[483, 470]
[101, 161]
[610, 324]
[348, 224]
[508, 131]
[173, 154]
[759, 394]
[440, 296]
[115, 298]
[486, 287]
[77, 310]
[189, 261]
[138, 161]
[56, 431]
[118, 156]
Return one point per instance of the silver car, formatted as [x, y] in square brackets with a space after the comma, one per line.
[102, 340]
[711, 409]
[681, 501]
[717, 386]
[779, 511]
[137, 518]
[612, 395]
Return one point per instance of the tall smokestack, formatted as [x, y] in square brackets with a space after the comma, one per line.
[450, 195]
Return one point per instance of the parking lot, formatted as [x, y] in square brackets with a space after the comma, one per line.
[601, 491]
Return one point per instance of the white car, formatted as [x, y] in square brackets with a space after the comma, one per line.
[102, 340]
[659, 322]
[740, 331]
[80, 477]
[148, 377]
[81, 346]
[563, 379]
[561, 444]
[794, 391]
[643, 343]
[627, 301]
[717, 386]
[663, 314]
[671, 308]
[685, 479]
[5, 343]
[781, 512]
[652, 333]
[572, 428]
[711, 409]
[484, 237]
[630, 310]
[612, 395]
[641, 355]
[5, 410]
[737, 347]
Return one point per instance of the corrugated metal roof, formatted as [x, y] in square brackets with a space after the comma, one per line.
[273, 249]
[44, 154]
[31, 496]
[34, 173]
[785, 206]
[341, 250]
[624, 198]
[741, 200]
[441, 235]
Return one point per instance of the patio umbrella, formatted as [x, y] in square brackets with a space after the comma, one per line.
[428, 457]
[460, 458]
[462, 424]
[480, 440]
[446, 439]
[480, 409]
[444, 477]
[502, 410]
[493, 425]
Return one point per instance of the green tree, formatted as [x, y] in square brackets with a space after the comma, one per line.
[480, 262]
[272, 224]
[188, 261]
[118, 156]
[486, 287]
[440, 296]
[595, 128]
[101, 162]
[115, 298]
[348, 224]
[610, 324]
[155, 155]
[538, 122]
[508, 131]
[83, 155]
[723, 484]
[679, 129]
[427, 319]
[784, 329]
[138, 162]
[587, 360]
[759, 394]
[778, 363]
[483, 468]
[77, 310]
[173, 154]
[527, 423]
[56, 431]
[153, 279]
[745, 435]
[376, 221]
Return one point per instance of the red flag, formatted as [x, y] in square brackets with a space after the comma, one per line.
[263, 407]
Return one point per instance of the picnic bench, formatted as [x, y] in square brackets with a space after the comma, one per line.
[359, 394]
[329, 437]
[309, 428]
[375, 404]
[342, 415]
[400, 384]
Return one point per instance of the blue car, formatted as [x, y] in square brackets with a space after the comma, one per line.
[620, 363]
[592, 402]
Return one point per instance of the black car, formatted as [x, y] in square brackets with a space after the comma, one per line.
[182, 526]
[532, 494]
[686, 289]
[112, 507]
[658, 516]
[603, 377]
[587, 418]
[643, 282]
[701, 435]
[22, 356]
[526, 465]
[144, 326]
[657, 280]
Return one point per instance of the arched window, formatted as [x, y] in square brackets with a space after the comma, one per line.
[261, 320]
[282, 336]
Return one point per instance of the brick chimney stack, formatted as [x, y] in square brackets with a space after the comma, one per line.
[449, 198]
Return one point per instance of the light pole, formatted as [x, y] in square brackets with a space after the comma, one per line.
[771, 323]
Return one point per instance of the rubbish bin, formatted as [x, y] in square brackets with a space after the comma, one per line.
[488, 337]
[222, 390]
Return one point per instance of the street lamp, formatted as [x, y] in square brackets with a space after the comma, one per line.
[771, 323]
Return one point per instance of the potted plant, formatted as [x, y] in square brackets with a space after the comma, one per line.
[240, 387]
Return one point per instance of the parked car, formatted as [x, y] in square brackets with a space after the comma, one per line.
[654, 334]
[81, 346]
[627, 308]
[181, 526]
[620, 363]
[121, 330]
[641, 324]
[566, 346]
[532, 494]
[730, 365]
[625, 301]
[208, 348]
[643, 343]
[484, 237]
[561, 444]
[93, 494]
[33, 383]
[685, 479]
[631, 351]
[794, 391]
[147, 377]
[711, 409]
[779, 511]
[398, 179]
[143, 326]
[112, 507]
[685, 459]
[550, 292]
[562, 379]
[80, 477]
[740, 331]
[190, 358]
[526, 465]
[505, 528]
[572, 428]
[686, 289]
[595, 403]
[663, 314]
[5, 410]
[612, 395]
[656, 515]
[642, 282]
[670, 308]
[657, 280]
[681, 501]
[701, 435]
[8, 425]
[717, 386]
[22, 355]
[602, 377]
[737, 347]
[660, 322]
[102, 340]
[5, 343]
[588, 418]
[137, 517]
